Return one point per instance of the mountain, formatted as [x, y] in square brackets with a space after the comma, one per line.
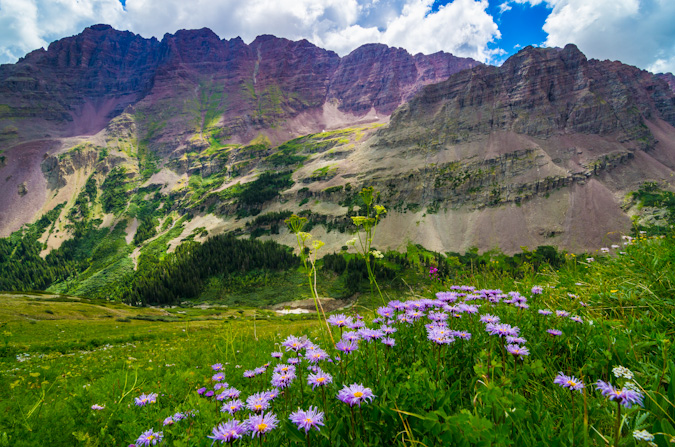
[186, 92]
[126, 147]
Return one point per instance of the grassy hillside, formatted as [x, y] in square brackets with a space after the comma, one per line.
[62, 355]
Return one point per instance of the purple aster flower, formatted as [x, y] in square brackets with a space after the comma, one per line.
[98, 407]
[209, 393]
[258, 402]
[217, 367]
[232, 393]
[340, 320]
[351, 336]
[414, 314]
[306, 420]
[467, 308]
[261, 424]
[520, 351]
[293, 343]
[150, 438]
[232, 406]
[277, 355]
[537, 290]
[437, 316]
[272, 394]
[464, 335]
[388, 330]
[502, 330]
[249, 374]
[201, 390]
[554, 332]
[218, 377]
[385, 311]
[221, 396]
[143, 399]
[346, 347]
[515, 340]
[396, 305]
[562, 313]
[294, 360]
[220, 385]
[545, 312]
[229, 431]
[320, 378]
[259, 370]
[283, 380]
[316, 356]
[168, 421]
[370, 334]
[440, 335]
[389, 341]
[179, 416]
[487, 318]
[577, 319]
[625, 396]
[356, 324]
[569, 382]
[282, 368]
[355, 394]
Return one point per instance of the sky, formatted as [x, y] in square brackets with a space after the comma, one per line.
[636, 32]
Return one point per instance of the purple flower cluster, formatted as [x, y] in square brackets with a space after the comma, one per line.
[624, 396]
[355, 394]
[144, 399]
[569, 382]
[306, 420]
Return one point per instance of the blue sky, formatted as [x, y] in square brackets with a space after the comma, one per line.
[637, 32]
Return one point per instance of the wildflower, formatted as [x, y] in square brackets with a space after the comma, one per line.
[516, 350]
[355, 394]
[293, 343]
[179, 416]
[277, 355]
[307, 419]
[625, 396]
[351, 336]
[258, 402]
[294, 360]
[259, 370]
[316, 356]
[369, 335]
[232, 393]
[320, 378]
[220, 385]
[217, 367]
[282, 368]
[569, 382]
[554, 332]
[218, 377]
[562, 313]
[515, 340]
[143, 399]
[389, 341]
[589, 260]
[577, 319]
[228, 431]
[339, 320]
[283, 380]
[537, 290]
[261, 424]
[168, 421]
[621, 371]
[346, 347]
[385, 311]
[150, 438]
[464, 335]
[487, 318]
[249, 374]
[545, 312]
[437, 316]
[642, 435]
[232, 406]
[221, 396]
[388, 330]
[502, 330]
[209, 393]
[98, 407]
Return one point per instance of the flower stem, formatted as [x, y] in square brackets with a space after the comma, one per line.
[617, 430]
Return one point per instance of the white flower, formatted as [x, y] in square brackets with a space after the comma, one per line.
[351, 241]
[377, 254]
[643, 435]
[621, 371]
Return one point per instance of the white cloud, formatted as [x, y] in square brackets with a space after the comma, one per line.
[636, 32]
[26, 25]
[462, 27]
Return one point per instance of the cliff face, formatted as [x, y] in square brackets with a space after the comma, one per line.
[540, 93]
[79, 83]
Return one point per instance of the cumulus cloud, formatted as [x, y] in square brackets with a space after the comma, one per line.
[636, 32]
[462, 27]
[26, 25]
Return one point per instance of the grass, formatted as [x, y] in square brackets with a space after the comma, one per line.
[62, 355]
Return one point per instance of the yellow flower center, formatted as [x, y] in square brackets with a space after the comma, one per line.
[151, 437]
[358, 394]
[262, 427]
[258, 406]
[308, 420]
[321, 379]
[341, 321]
